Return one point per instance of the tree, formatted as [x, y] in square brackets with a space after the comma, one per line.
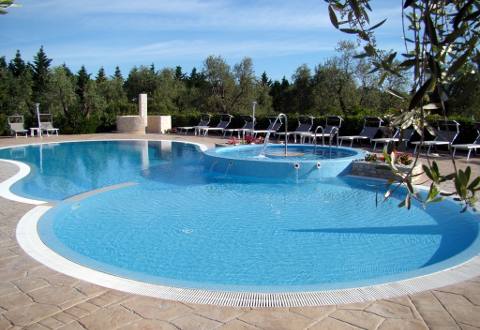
[61, 92]
[20, 86]
[302, 90]
[118, 74]
[17, 66]
[440, 39]
[141, 80]
[40, 71]
[101, 76]
[221, 84]
[5, 4]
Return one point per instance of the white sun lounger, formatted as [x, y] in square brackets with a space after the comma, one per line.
[46, 124]
[407, 136]
[273, 126]
[331, 129]
[447, 131]
[470, 146]
[225, 120]
[16, 125]
[371, 125]
[247, 127]
[302, 131]
[204, 121]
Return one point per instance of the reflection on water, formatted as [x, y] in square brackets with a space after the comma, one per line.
[71, 168]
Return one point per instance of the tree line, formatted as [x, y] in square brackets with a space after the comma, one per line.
[82, 102]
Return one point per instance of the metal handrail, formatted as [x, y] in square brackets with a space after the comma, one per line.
[267, 136]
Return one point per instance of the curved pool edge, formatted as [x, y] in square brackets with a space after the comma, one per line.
[24, 169]
[30, 241]
[221, 160]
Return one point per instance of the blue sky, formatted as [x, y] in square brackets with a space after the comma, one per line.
[279, 35]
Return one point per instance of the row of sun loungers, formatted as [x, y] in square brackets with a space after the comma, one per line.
[445, 133]
[17, 126]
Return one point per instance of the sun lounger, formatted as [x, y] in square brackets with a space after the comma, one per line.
[204, 121]
[470, 146]
[302, 131]
[247, 127]
[225, 120]
[273, 126]
[405, 137]
[46, 124]
[332, 126]
[445, 134]
[16, 125]
[371, 125]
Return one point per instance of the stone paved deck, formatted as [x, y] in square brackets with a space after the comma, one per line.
[33, 296]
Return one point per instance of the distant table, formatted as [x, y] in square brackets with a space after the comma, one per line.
[36, 130]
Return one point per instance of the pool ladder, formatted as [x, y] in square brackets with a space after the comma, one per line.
[333, 132]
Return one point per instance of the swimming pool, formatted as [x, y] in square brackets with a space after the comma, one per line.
[173, 222]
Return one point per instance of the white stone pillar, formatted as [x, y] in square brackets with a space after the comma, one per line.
[142, 107]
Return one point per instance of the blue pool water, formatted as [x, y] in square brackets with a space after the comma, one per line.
[183, 225]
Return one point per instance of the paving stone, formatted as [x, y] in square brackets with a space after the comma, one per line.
[149, 325]
[237, 325]
[5, 253]
[36, 326]
[106, 299]
[358, 318]
[76, 312]
[432, 311]
[28, 283]
[30, 314]
[89, 289]
[275, 319]
[470, 290]
[73, 326]
[329, 323]
[59, 296]
[195, 322]
[467, 327]
[7, 288]
[357, 306]
[108, 318]
[314, 313]
[398, 324]
[390, 310]
[4, 323]
[88, 307]
[222, 314]
[64, 317]
[15, 300]
[460, 308]
[151, 308]
[51, 323]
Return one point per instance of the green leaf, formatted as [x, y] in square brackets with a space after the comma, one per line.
[377, 25]
[474, 183]
[432, 33]
[333, 16]
[350, 31]
[422, 91]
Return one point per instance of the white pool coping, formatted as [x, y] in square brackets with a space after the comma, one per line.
[29, 240]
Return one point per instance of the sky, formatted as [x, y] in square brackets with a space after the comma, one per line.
[279, 35]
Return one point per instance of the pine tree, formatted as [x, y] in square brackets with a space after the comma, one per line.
[82, 80]
[68, 72]
[39, 68]
[17, 66]
[264, 81]
[179, 75]
[118, 74]
[101, 76]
